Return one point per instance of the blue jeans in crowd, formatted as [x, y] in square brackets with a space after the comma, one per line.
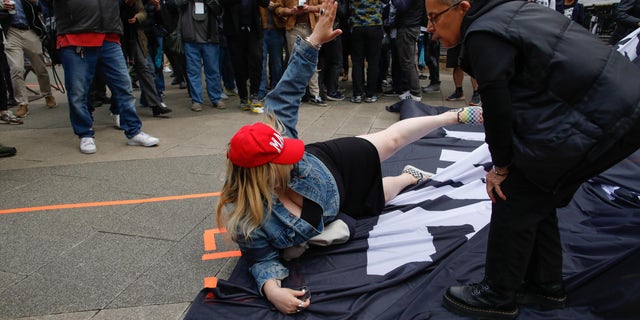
[80, 66]
[197, 55]
[272, 52]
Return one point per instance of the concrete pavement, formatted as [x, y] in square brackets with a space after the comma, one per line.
[119, 234]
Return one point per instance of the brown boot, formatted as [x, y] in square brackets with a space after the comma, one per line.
[51, 101]
[22, 111]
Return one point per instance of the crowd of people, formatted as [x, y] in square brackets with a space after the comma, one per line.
[241, 47]
[553, 116]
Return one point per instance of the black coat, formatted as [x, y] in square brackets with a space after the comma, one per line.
[572, 96]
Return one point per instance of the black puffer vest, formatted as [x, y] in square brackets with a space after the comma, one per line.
[80, 16]
[572, 95]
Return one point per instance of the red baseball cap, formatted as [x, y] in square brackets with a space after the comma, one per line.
[258, 144]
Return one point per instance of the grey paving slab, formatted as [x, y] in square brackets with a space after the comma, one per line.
[85, 278]
[64, 316]
[29, 241]
[7, 279]
[168, 312]
[179, 273]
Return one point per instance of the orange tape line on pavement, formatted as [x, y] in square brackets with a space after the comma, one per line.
[108, 203]
[211, 282]
[209, 238]
[221, 255]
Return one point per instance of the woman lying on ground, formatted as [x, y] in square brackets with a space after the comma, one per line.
[280, 195]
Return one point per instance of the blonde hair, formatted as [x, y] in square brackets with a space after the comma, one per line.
[247, 194]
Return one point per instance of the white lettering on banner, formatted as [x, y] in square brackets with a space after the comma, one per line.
[277, 141]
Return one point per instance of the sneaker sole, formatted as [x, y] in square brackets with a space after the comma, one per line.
[334, 99]
[461, 309]
[455, 99]
[135, 143]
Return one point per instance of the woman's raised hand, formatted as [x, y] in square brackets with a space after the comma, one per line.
[323, 31]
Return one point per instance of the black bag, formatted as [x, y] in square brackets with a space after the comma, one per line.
[173, 42]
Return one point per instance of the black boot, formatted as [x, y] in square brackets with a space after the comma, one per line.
[546, 296]
[160, 110]
[480, 301]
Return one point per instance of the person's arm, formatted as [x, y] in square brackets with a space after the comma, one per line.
[622, 14]
[284, 100]
[493, 69]
[268, 272]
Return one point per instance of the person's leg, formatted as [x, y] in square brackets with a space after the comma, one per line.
[114, 68]
[15, 58]
[265, 56]
[194, 70]
[357, 60]
[393, 185]
[239, 59]
[79, 71]
[433, 60]
[403, 132]
[518, 225]
[33, 50]
[406, 43]
[254, 44]
[372, 54]
[333, 60]
[146, 77]
[458, 77]
[210, 58]
[276, 60]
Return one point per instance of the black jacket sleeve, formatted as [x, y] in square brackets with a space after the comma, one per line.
[492, 63]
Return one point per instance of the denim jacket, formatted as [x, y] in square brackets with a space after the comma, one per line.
[309, 177]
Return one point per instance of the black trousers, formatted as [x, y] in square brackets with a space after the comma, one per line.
[524, 240]
[331, 53]
[246, 54]
[365, 45]
[432, 54]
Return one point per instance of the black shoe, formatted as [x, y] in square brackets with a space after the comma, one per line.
[7, 151]
[546, 296]
[391, 93]
[175, 81]
[183, 85]
[478, 300]
[12, 102]
[356, 99]
[160, 110]
[371, 99]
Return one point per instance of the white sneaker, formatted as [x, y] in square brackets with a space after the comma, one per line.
[88, 145]
[143, 139]
[223, 96]
[407, 95]
[116, 120]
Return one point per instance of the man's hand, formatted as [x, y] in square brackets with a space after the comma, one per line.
[493, 185]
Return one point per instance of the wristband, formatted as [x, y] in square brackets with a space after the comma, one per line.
[498, 173]
[317, 46]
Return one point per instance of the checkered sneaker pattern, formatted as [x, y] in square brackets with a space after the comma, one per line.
[417, 173]
[469, 115]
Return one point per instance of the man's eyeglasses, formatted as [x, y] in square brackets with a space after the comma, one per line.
[433, 19]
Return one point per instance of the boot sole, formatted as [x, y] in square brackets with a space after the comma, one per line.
[541, 302]
[461, 309]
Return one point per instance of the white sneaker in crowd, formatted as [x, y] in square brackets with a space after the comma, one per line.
[143, 139]
[88, 145]
[116, 120]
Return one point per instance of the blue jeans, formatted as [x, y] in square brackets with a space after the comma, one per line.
[79, 70]
[272, 52]
[197, 55]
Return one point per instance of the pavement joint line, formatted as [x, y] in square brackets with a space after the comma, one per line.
[108, 203]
